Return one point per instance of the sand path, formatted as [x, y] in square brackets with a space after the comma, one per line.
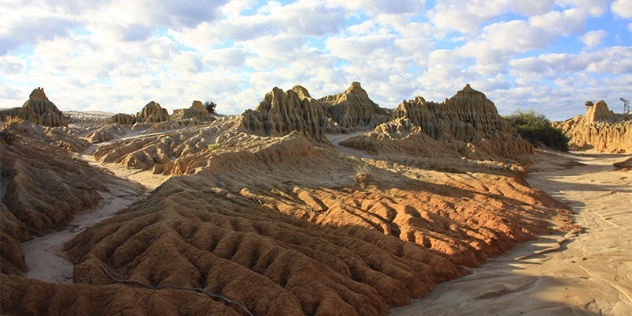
[44, 255]
[585, 274]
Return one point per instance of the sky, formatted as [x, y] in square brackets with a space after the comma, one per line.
[114, 55]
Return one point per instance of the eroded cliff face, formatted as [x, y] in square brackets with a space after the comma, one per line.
[353, 109]
[466, 125]
[599, 129]
[197, 111]
[151, 113]
[37, 109]
[280, 113]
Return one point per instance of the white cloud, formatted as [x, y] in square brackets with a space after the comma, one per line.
[467, 16]
[561, 23]
[118, 55]
[358, 47]
[10, 65]
[611, 60]
[594, 38]
[593, 7]
[622, 8]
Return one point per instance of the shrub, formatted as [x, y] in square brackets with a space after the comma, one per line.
[363, 174]
[210, 106]
[537, 129]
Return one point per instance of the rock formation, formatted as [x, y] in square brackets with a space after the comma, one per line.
[280, 113]
[624, 165]
[151, 113]
[465, 125]
[354, 109]
[37, 109]
[107, 132]
[599, 129]
[197, 110]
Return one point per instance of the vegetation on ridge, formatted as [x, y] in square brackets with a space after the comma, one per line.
[210, 106]
[537, 129]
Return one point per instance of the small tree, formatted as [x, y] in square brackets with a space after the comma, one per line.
[537, 129]
[589, 103]
[210, 106]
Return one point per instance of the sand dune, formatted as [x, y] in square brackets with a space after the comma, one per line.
[574, 274]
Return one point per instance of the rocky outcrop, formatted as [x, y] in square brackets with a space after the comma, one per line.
[39, 110]
[624, 165]
[467, 125]
[354, 109]
[599, 129]
[107, 132]
[281, 113]
[599, 112]
[197, 111]
[151, 113]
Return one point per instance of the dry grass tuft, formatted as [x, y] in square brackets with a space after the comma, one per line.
[363, 174]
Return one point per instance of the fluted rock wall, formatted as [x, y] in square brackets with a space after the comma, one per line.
[151, 113]
[354, 109]
[39, 110]
[280, 113]
[468, 117]
[197, 110]
[599, 129]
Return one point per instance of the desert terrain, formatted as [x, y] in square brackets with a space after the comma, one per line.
[306, 206]
[585, 273]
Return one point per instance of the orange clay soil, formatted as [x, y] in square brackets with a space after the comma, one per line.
[288, 226]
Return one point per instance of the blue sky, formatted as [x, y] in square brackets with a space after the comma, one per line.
[116, 56]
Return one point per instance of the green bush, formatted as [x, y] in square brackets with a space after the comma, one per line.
[210, 106]
[537, 129]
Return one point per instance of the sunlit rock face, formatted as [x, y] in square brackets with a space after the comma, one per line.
[37, 109]
[599, 129]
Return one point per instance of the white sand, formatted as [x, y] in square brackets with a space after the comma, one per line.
[588, 274]
[44, 255]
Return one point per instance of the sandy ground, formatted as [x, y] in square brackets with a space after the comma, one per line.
[585, 274]
[44, 256]
[335, 139]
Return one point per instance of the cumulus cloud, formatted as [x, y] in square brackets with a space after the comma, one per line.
[18, 32]
[561, 23]
[117, 55]
[594, 38]
[622, 8]
[11, 65]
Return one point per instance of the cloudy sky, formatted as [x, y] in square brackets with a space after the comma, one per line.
[117, 55]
